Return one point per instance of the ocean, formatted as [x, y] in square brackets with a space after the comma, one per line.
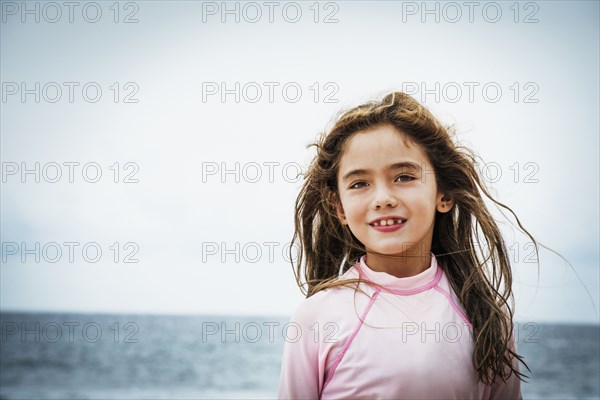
[103, 356]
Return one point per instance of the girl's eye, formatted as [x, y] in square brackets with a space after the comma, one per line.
[357, 185]
[405, 178]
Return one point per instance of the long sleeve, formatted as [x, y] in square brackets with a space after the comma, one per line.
[299, 378]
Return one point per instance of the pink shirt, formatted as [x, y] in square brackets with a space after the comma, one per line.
[414, 342]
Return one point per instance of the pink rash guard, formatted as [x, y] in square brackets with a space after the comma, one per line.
[414, 342]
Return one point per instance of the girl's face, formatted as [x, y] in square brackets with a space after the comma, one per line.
[388, 195]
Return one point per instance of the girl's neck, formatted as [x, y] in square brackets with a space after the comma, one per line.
[400, 265]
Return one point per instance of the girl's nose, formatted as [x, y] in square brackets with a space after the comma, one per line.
[384, 197]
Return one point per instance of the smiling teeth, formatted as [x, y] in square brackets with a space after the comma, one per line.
[387, 222]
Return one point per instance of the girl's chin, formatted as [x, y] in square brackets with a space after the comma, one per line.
[387, 251]
[394, 248]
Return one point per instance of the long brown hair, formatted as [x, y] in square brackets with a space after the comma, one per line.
[482, 282]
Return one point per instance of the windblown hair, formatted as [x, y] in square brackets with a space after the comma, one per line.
[483, 283]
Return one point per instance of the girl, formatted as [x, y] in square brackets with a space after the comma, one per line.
[418, 308]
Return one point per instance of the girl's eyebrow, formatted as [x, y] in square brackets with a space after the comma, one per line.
[400, 165]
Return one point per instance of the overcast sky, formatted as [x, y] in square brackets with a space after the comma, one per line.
[170, 133]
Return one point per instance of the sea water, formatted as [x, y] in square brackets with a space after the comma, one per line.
[89, 356]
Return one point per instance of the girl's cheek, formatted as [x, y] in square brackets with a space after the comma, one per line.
[356, 202]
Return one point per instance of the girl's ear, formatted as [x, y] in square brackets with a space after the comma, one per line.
[444, 203]
[338, 208]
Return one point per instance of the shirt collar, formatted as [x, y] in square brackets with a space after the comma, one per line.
[404, 286]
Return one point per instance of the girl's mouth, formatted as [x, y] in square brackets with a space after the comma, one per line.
[388, 225]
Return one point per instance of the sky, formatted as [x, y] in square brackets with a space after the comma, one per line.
[150, 149]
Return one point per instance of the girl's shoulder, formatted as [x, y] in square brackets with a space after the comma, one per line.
[332, 302]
